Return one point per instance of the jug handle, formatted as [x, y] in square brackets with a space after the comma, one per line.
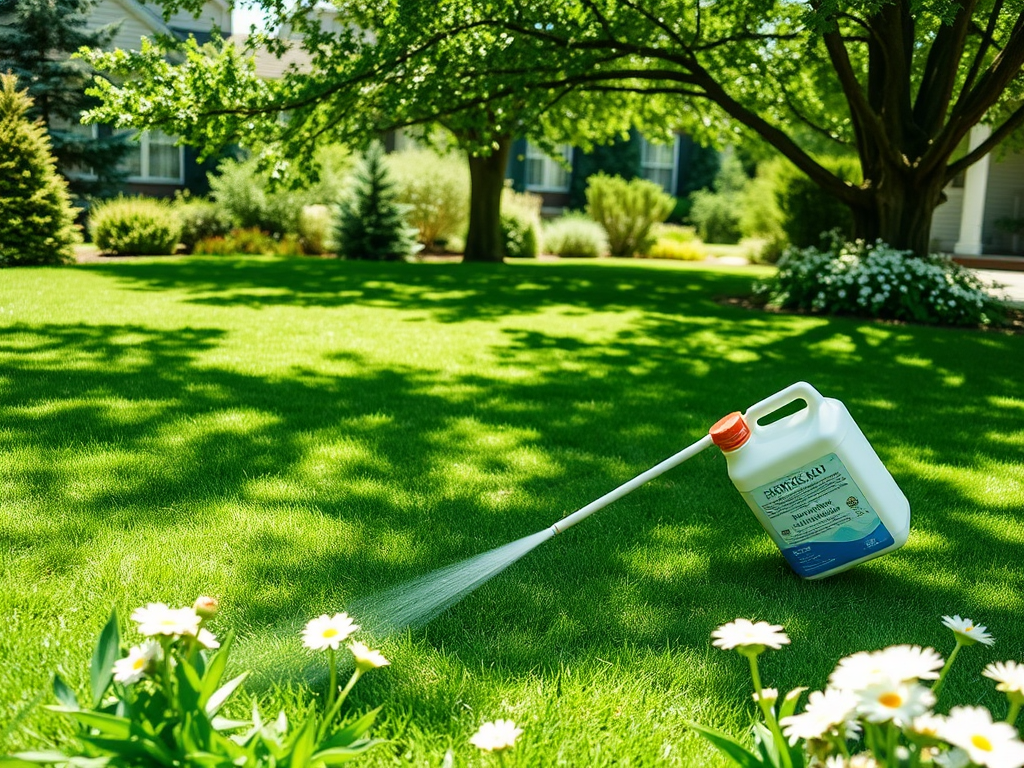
[799, 391]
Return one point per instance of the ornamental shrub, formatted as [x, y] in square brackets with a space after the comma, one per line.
[806, 211]
[627, 210]
[272, 202]
[200, 219]
[135, 226]
[875, 280]
[371, 223]
[436, 190]
[520, 224]
[678, 251]
[250, 242]
[36, 216]
[315, 224]
[575, 236]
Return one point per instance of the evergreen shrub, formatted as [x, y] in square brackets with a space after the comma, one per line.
[36, 215]
[436, 190]
[200, 219]
[135, 226]
[520, 224]
[627, 210]
[575, 236]
[875, 280]
[371, 222]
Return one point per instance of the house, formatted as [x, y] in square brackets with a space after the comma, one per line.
[975, 219]
[155, 166]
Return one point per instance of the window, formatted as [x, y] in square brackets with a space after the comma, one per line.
[153, 157]
[543, 174]
[658, 163]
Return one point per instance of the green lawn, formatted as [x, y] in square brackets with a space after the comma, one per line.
[292, 435]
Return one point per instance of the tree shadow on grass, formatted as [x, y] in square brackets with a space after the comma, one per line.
[416, 468]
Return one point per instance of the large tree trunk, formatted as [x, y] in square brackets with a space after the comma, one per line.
[486, 181]
[900, 210]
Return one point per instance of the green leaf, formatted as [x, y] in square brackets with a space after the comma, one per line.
[215, 670]
[108, 647]
[339, 755]
[188, 686]
[64, 694]
[766, 743]
[730, 747]
[108, 725]
[352, 731]
[788, 705]
[221, 695]
[303, 745]
[35, 757]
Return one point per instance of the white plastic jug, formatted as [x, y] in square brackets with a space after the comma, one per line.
[814, 482]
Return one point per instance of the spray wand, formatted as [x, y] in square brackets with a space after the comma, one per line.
[631, 485]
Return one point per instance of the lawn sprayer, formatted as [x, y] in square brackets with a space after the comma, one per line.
[293, 435]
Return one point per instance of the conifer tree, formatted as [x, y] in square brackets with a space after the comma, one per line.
[37, 38]
[36, 215]
[371, 224]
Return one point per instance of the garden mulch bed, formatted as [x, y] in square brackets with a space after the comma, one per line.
[1014, 316]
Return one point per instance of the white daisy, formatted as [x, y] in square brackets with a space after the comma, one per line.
[994, 745]
[967, 632]
[497, 736]
[1008, 674]
[743, 633]
[929, 725]
[898, 702]
[158, 619]
[768, 695]
[365, 658]
[825, 711]
[208, 640]
[903, 663]
[326, 631]
[137, 663]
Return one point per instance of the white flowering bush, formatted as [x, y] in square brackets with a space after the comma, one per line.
[160, 703]
[875, 280]
[877, 711]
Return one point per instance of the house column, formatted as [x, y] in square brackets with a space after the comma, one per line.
[972, 210]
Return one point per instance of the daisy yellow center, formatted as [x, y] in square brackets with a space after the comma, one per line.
[330, 632]
[968, 628]
[981, 742]
[890, 699]
[139, 663]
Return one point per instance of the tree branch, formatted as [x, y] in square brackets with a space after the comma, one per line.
[1012, 123]
[987, 40]
[940, 71]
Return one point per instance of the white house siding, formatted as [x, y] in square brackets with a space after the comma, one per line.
[135, 22]
[946, 221]
[213, 14]
[1004, 199]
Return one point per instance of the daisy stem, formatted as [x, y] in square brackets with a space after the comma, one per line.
[890, 747]
[501, 758]
[333, 711]
[945, 669]
[769, 716]
[1011, 716]
[332, 687]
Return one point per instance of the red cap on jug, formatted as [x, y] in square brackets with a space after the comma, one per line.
[730, 432]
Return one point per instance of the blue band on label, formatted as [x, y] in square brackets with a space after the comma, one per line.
[814, 557]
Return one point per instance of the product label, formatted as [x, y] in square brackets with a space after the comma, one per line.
[821, 516]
